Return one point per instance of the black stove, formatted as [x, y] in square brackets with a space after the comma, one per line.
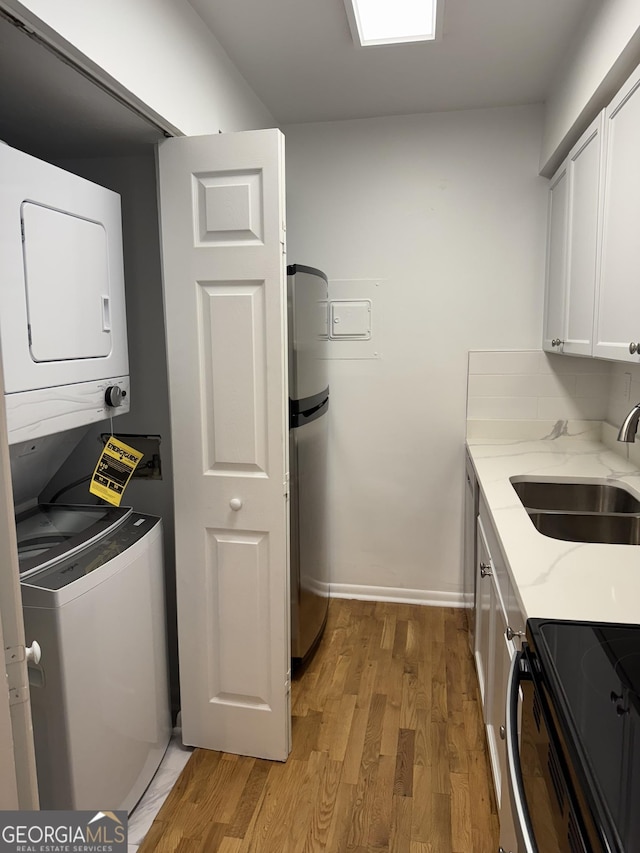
[587, 677]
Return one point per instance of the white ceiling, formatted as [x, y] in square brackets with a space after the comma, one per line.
[300, 59]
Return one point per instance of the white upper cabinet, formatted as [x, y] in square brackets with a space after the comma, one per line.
[617, 328]
[572, 241]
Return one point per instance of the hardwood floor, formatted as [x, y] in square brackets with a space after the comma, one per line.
[388, 752]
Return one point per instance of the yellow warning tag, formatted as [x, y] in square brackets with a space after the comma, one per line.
[117, 463]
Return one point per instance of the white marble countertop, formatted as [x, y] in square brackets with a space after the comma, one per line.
[554, 578]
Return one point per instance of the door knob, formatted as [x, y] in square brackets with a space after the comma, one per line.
[235, 504]
[33, 653]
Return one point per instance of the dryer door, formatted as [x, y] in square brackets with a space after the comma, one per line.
[67, 285]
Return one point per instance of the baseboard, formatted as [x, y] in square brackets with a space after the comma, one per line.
[434, 598]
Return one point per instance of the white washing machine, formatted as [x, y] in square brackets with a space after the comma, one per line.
[92, 585]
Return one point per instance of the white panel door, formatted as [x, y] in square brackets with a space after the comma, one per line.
[618, 318]
[222, 219]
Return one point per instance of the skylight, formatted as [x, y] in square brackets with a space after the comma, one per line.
[392, 21]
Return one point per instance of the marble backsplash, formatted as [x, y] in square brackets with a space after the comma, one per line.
[531, 395]
[530, 385]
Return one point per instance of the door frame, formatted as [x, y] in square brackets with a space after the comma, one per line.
[68, 53]
[17, 724]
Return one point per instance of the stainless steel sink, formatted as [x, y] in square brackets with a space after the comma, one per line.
[576, 497]
[588, 527]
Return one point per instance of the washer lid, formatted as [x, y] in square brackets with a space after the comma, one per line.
[49, 533]
[42, 587]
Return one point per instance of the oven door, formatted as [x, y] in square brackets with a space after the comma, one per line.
[546, 817]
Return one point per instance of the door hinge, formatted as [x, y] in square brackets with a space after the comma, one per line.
[18, 690]
[285, 486]
[14, 654]
[283, 240]
[17, 695]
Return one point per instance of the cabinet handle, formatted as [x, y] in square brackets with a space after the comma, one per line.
[503, 733]
[510, 633]
[633, 348]
[556, 342]
[485, 570]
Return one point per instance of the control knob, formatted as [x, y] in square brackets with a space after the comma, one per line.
[114, 395]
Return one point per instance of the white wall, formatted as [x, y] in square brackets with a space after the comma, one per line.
[160, 51]
[604, 52]
[447, 210]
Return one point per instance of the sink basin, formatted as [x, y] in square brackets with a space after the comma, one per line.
[585, 527]
[576, 497]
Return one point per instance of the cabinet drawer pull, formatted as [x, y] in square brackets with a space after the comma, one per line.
[485, 570]
[633, 348]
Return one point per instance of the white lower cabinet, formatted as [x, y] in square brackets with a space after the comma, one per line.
[497, 619]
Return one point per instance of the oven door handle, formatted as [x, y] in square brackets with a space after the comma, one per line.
[522, 821]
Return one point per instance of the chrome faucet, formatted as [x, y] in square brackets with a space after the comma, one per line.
[630, 425]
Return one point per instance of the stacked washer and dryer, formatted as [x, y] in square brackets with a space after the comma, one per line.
[92, 576]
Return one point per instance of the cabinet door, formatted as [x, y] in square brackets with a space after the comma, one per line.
[483, 642]
[554, 303]
[469, 562]
[618, 317]
[572, 239]
[503, 652]
[584, 165]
